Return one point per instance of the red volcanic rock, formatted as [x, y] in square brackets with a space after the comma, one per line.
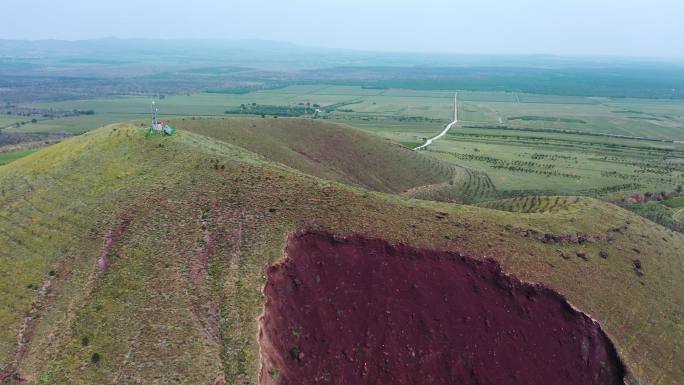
[360, 311]
[110, 239]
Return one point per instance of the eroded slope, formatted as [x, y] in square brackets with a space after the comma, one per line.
[354, 310]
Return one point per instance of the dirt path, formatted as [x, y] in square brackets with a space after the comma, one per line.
[446, 129]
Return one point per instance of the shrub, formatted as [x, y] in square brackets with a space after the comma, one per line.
[295, 352]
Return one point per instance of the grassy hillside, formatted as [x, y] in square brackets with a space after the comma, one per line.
[467, 186]
[128, 260]
[659, 213]
[532, 204]
[326, 150]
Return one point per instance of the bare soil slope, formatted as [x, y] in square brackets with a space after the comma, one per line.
[346, 311]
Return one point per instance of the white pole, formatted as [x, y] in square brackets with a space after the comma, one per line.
[456, 107]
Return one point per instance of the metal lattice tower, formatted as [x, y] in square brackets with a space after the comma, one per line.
[154, 114]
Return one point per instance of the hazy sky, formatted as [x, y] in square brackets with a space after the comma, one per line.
[605, 27]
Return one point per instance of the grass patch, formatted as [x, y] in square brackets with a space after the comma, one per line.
[529, 118]
[11, 156]
[674, 203]
[410, 144]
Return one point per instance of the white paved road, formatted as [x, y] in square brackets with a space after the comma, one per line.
[446, 129]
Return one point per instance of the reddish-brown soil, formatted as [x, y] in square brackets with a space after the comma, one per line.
[113, 236]
[359, 311]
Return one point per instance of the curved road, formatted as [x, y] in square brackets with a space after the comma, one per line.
[446, 129]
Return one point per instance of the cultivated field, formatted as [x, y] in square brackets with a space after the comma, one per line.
[524, 144]
[9, 120]
[656, 119]
[10, 156]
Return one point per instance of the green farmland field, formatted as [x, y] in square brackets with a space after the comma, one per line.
[525, 143]
[658, 119]
[7, 157]
[675, 203]
[9, 120]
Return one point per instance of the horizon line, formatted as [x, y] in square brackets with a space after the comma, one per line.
[614, 56]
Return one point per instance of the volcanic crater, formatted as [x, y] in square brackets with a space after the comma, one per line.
[355, 310]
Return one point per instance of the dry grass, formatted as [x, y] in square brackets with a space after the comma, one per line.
[327, 150]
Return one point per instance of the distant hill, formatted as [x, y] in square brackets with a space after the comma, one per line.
[142, 48]
[41, 70]
[128, 260]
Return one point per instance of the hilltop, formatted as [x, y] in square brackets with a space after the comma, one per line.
[129, 260]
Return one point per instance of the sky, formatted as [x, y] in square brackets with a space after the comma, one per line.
[646, 28]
